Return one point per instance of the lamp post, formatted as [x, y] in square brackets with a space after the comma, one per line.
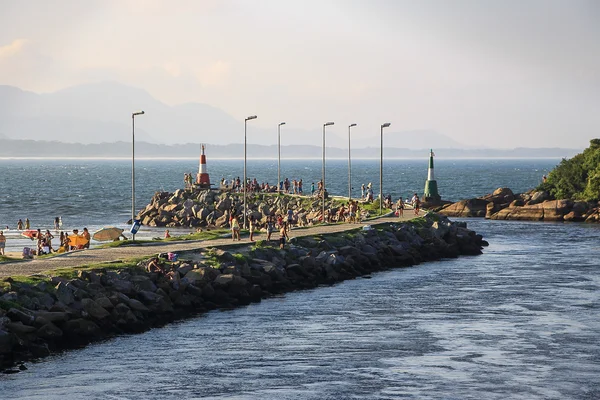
[133, 166]
[381, 169]
[279, 155]
[323, 172]
[349, 165]
[245, 186]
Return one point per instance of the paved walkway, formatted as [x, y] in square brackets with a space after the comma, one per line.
[101, 255]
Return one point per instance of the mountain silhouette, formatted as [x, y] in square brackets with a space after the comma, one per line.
[101, 113]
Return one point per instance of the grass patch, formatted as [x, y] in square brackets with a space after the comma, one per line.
[9, 259]
[204, 235]
[120, 243]
[240, 258]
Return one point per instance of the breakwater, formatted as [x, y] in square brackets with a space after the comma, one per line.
[44, 314]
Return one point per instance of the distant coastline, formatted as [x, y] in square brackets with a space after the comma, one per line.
[32, 149]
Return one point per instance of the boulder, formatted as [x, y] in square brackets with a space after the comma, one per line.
[49, 331]
[94, 309]
[538, 197]
[202, 275]
[64, 294]
[137, 305]
[6, 342]
[80, 328]
[466, 208]
[230, 280]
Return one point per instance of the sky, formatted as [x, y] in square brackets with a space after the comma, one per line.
[498, 74]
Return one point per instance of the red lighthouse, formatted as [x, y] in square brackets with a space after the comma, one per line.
[202, 179]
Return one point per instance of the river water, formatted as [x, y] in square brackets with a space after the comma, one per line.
[518, 322]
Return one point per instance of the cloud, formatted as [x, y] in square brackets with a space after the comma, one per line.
[172, 69]
[15, 47]
[214, 74]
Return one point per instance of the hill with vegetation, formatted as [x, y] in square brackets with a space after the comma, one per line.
[577, 178]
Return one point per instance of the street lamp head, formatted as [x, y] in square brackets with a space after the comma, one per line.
[385, 125]
[281, 123]
[351, 125]
[251, 117]
[137, 113]
[328, 123]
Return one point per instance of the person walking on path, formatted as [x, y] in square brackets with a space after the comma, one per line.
[270, 227]
[416, 203]
[235, 229]
[2, 243]
[400, 207]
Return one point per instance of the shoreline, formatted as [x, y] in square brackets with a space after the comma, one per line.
[45, 314]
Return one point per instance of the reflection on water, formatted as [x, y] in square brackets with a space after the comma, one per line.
[518, 322]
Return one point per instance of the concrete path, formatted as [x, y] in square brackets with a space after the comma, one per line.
[98, 255]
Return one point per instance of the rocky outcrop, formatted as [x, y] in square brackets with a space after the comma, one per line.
[204, 207]
[47, 314]
[530, 206]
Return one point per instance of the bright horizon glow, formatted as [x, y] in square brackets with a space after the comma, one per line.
[500, 74]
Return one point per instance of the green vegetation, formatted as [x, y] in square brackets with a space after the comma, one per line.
[577, 178]
[9, 259]
[204, 235]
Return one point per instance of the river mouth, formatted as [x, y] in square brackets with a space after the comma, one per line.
[519, 321]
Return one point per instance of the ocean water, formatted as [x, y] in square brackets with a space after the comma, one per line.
[518, 322]
[96, 193]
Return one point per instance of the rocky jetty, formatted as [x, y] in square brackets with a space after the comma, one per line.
[202, 207]
[503, 204]
[43, 314]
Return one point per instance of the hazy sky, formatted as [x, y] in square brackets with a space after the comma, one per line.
[486, 73]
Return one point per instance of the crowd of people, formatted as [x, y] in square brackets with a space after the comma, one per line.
[287, 186]
[74, 241]
[44, 240]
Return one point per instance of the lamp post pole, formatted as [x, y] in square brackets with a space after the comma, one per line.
[381, 168]
[349, 165]
[244, 185]
[323, 173]
[133, 166]
[279, 155]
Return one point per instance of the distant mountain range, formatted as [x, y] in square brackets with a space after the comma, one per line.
[101, 113]
[122, 149]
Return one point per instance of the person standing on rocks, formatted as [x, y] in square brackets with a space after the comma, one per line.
[252, 222]
[283, 235]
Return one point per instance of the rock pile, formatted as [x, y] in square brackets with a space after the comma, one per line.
[54, 313]
[199, 208]
[503, 204]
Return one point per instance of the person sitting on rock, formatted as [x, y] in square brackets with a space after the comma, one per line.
[154, 266]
